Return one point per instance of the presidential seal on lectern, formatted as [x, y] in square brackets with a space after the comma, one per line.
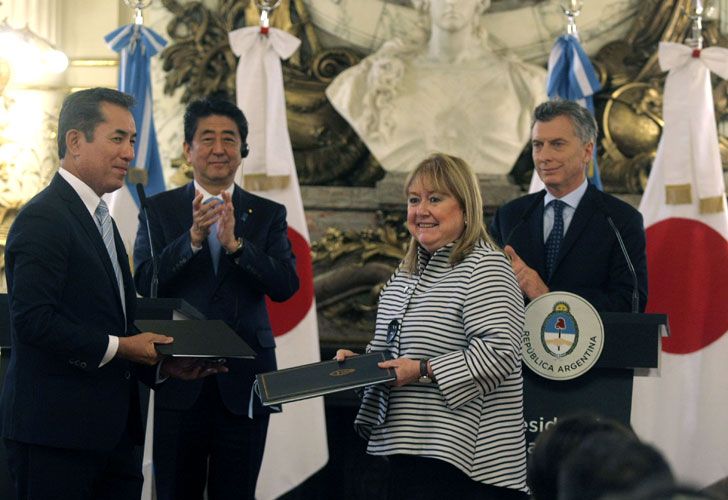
[563, 336]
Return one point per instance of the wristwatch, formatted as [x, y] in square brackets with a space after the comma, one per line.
[424, 376]
[238, 249]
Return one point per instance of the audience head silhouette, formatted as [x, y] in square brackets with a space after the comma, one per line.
[608, 463]
[663, 490]
[557, 442]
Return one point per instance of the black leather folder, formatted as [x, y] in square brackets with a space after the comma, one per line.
[197, 338]
[317, 379]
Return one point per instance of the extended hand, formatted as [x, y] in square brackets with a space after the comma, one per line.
[140, 348]
[342, 354]
[190, 368]
[407, 370]
[528, 279]
[226, 227]
[204, 215]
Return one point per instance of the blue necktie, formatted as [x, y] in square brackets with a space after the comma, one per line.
[107, 234]
[556, 236]
[213, 241]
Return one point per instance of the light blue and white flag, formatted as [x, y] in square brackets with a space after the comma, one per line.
[136, 46]
[571, 76]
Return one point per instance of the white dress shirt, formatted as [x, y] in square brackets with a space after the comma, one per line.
[571, 201]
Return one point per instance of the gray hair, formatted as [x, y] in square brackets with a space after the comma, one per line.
[585, 126]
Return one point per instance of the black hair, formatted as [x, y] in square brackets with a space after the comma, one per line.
[82, 111]
[608, 464]
[216, 104]
[554, 445]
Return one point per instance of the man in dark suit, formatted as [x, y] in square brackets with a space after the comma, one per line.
[584, 254]
[223, 250]
[71, 421]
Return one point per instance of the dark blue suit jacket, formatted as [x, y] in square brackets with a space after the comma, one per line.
[590, 262]
[236, 294]
[64, 302]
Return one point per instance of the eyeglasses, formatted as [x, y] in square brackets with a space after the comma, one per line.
[392, 330]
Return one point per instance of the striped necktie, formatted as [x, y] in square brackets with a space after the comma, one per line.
[212, 240]
[107, 234]
[556, 236]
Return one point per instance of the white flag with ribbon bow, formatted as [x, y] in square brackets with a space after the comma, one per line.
[682, 408]
[296, 446]
[259, 88]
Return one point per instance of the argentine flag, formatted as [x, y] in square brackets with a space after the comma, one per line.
[571, 76]
[136, 45]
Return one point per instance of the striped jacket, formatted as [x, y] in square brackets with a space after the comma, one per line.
[469, 320]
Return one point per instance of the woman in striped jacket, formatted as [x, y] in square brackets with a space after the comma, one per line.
[451, 319]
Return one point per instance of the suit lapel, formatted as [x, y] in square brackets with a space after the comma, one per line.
[184, 212]
[535, 247]
[579, 222]
[243, 211]
[89, 227]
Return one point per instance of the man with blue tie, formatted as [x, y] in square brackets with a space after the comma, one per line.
[70, 412]
[567, 237]
[223, 250]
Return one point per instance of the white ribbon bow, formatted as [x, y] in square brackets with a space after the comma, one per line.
[673, 55]
[260, 95]
[690, 137]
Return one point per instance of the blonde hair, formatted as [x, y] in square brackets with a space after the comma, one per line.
[451, 175]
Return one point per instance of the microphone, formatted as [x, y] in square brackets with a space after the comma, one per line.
[526, 215]
[635, 283]
[155, 271]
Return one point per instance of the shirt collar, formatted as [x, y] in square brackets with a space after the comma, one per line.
[89, 198]
[206, 195]
[572, 199]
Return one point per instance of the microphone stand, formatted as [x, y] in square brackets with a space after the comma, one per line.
[154, 287]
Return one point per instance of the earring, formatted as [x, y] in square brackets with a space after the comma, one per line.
[465, 221]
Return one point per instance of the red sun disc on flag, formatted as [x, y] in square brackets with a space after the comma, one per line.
[688, 275]
[284, 316]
